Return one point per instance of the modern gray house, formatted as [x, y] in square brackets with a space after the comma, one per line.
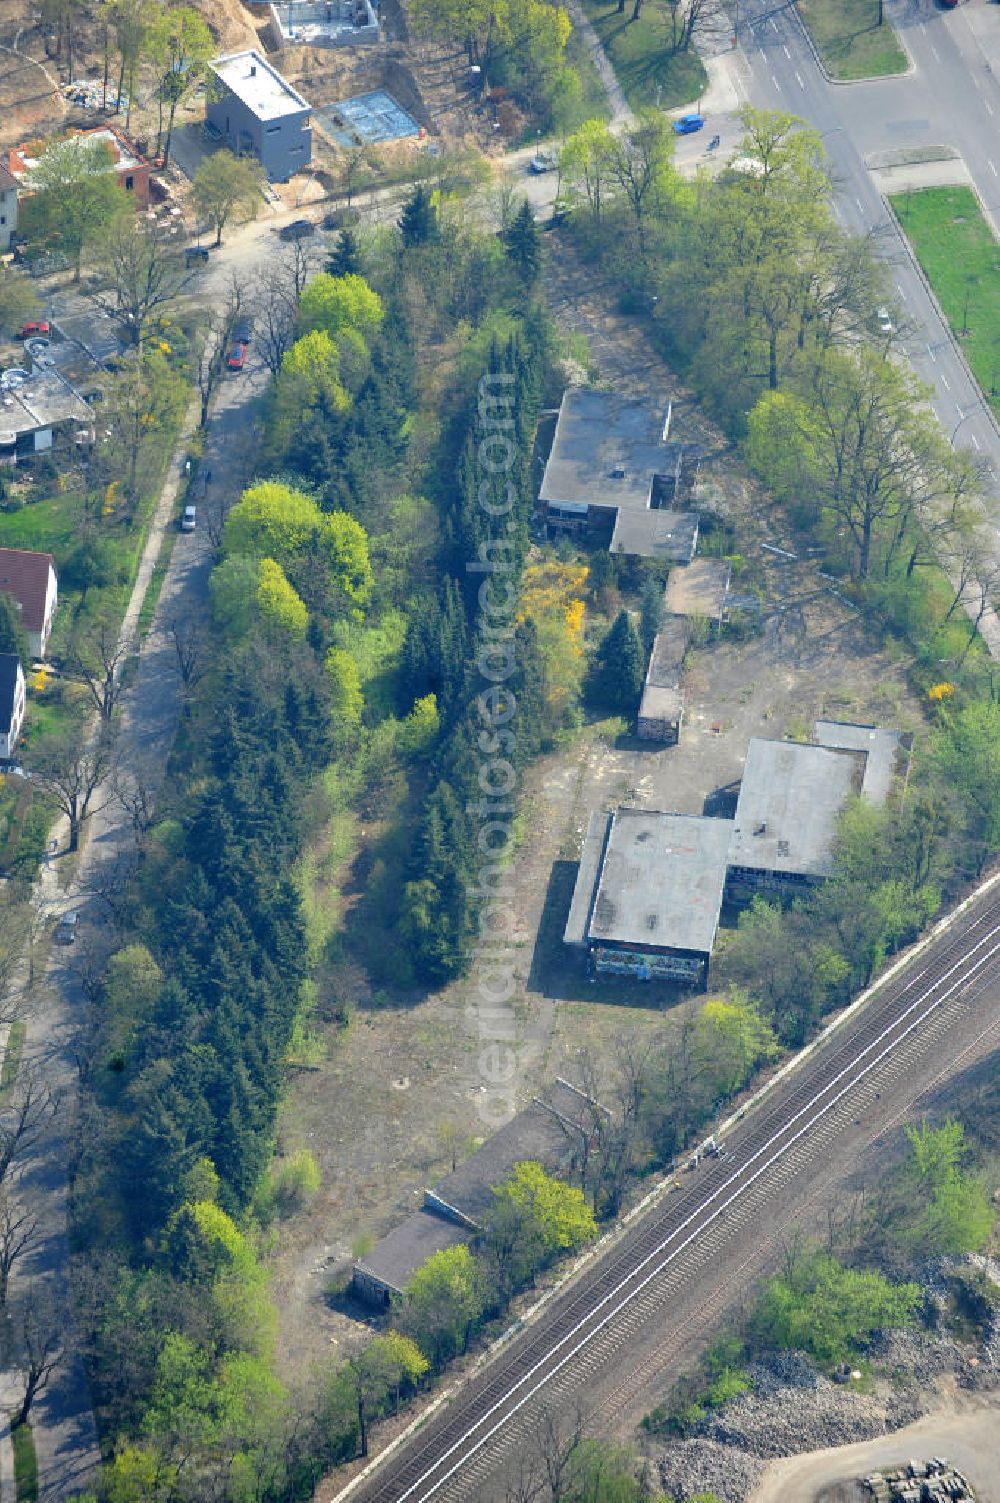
[257, 113]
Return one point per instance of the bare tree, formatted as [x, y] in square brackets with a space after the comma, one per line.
[95, 659]
[213, 511]
[135, 796]
[41, 1330]
[191, 657]
[75, 779]
[18, 1235]
[24, 1118]
[556, 1439]
[214, 340]
[139, 275]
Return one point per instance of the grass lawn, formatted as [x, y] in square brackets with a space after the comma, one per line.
[961, 259]
[648, 71]
[25, 1464]
[850, 40]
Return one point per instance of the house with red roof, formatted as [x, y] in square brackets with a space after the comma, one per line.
[124, 159]
[30, 580]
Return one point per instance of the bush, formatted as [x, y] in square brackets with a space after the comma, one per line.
[820, 1307]
[294, 1181]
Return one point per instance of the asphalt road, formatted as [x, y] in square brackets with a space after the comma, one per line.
[950, 97]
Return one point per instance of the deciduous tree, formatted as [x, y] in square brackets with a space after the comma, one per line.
[227, 188]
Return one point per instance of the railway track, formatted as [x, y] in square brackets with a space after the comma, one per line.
[460, 1448]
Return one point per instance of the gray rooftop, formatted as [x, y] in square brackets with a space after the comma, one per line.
[45, 400]
[656, 534]
[888, 752]
[661, 880]
[260, 87]
[790, 799]
[546, 1132]
[395, 1259]
[700, 589]
[605, 451]
[661, 703]
[577, 924]
[667, 657]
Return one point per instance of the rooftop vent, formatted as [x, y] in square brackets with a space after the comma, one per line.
[783, 848]
[618, 474]
[253, 70]
[760, 829]
[652, 919]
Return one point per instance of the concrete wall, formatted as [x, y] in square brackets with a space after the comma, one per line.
[322, 23]
[8, 217]
[282, 146]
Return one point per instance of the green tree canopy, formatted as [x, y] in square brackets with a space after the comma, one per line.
[227, 187]
[620, 667]
[338, 303]
[820, 1307]
[444, 1300]
[281, 608]
[75, 196]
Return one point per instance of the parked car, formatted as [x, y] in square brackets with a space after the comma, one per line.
[884, 321]
[66, 929]
[37, 326]
[243, 330]
[542, 161]
[688, 124]
[189, 517]
[237, 356]
[299, 229]
[195, 254]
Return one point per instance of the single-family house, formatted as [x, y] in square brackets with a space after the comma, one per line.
[124, 160]
[12, 702]
[8, 208]
[258, 113]
[30, 580]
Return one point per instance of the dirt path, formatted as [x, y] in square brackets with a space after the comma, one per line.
[968, 1435]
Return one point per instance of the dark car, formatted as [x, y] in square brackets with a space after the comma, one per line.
[299, 229]
[195, 254]
[237, 356]
[688, 124]
[66, 929]
[243, 330]
[38, 326]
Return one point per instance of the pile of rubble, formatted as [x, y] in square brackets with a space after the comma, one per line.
[693, 1467]
[931, 1481]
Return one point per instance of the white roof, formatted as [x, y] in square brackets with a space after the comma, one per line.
[260, 87]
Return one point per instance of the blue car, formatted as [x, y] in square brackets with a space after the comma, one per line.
[688, 124]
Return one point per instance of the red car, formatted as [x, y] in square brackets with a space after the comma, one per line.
[237, 356]
[30, 330]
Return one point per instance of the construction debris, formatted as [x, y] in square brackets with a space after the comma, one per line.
[931, 1481]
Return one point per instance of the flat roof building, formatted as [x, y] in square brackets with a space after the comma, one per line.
[887, 753]
[652, 906]
[549, 1131]
[611, 463]
[791, 796]
[35, 406]
[700, 589]
[662, 708]
[259, 114]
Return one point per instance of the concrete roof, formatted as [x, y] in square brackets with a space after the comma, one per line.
[395, 1259]
[661, 880]
[667, 656]
[699, 589]
[656, 534]
[887, 751]
[575, 932]
[261, 88]
[45, 400]
[789, 801]
[605, 451]
[660, 703]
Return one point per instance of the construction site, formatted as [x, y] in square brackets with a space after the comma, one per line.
[933, 1481]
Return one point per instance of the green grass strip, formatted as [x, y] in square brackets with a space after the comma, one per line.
[849, 39]
[961, 259]
[25, 1463]
[641, 52]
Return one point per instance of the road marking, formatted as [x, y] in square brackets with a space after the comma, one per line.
[962, 415]
[786, 52]
[978, 85]
[937, 57]
[923, 26]
[763, 54]
[975, 443]
[776, 83]
[989, 107]
[932, 354]
[860, 205]
[989, 163]
[773, 22]
[799, 77]
[946, 383]
[901, 292]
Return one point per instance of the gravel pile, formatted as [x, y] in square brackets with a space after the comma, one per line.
[801, 1416]
[917, 1354]
[701, 1466]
